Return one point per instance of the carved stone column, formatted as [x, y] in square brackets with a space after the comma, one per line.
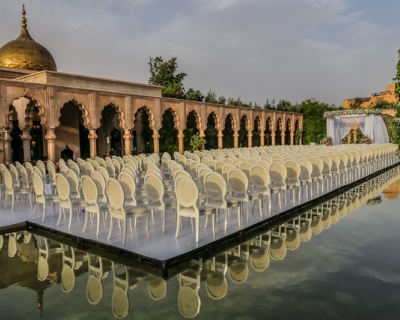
[249, 139]
[156, 141]
[262, 139]
[220, 140]
[181, 146]
[51, 149]
[26, 142]
[291, 138]
[273, 135]
[283, 138]
[236, 139]
[92, 143]
[7, 146]
[127, 141]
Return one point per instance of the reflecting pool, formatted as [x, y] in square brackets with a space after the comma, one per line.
[339, 260]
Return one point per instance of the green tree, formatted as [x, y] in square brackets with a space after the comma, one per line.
[221, 100]
[164, 73]
[314, 128]
[194, 95]
[283, 105]
[211, 97]
[397, 78]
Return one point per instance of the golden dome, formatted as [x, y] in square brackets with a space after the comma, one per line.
[26, 53]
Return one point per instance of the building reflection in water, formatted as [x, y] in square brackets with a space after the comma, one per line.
[37, 263]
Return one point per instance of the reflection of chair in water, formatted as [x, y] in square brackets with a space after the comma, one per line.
[1, 241]
[259, 257]
[239, 271]
[292, 239]
[157, 287]
[72, 260]
[278, 249]
[12, 244]
[98, 269]
[124, 278]
[46, 249]
[188, 295]
[216, 282]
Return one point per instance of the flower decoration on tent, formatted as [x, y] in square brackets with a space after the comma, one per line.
[326, 141]
[366, 140]
[349, 112]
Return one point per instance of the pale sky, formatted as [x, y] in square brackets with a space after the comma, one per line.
[253, 49]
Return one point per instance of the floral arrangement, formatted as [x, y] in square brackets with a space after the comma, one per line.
[349, 112]
[374, 201]
[366, 140]
[326, 141]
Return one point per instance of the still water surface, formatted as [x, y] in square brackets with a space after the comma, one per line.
[332, 262]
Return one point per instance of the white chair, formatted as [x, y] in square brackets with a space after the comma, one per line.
[92, 205]
[41, 197]
[186, 195]
[121, 212]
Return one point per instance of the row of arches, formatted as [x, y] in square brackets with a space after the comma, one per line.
[29, 134]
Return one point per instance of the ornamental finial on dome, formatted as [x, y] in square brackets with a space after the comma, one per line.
[23, 20]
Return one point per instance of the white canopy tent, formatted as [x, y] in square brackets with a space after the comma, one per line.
[371, 125]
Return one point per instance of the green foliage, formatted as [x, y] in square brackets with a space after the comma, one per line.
[221, 100]
[168, 134]
[190, 130]
[397, 79]
[196, 142]
[211, 97]
[283, 105]
[314, 128]
[269, 105]
[235, 102]
[164, 73]
[194, 95]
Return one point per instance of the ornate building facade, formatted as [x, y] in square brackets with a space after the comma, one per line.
[44, 110]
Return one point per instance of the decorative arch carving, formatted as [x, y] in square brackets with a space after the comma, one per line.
[149, 112]
[85, 112]
[27, 117]
[175, 116]
[197, 116]
[217, 121]
[246, 121]
[120, 112]
[233, 121]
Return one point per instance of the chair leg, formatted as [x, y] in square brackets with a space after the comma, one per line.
[44, 210]
[197, 228]
[111, 227]
[177, 226]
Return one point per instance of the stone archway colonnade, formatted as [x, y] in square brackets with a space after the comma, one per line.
[49, 91]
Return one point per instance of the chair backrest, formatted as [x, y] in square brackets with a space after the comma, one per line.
[246, 168]
[38, 185]
[226, 169]
[73, 182]
[14, 174]
[129, 185]
[89, 190]
[63, 188]
[186, 193]
[41, 166]
[215, 188]
[260, 176]
[305, 169]
[116, 196]
[219, 166]
[8, 180]
[104, 172]
[292, 169]
[110, 169]
[117, 165]
[98, 178]
[238, 182]
[52, 173]
[38, 171]
[89, 168]
[277, 172]
[154, 188]
[318, 166]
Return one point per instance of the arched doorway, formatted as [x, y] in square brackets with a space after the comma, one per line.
[256, 141]
[278, 132]
[228, 139]
[211, 132]
[268, 131]
[72, 131]
[192, 123]
[109, 134]
[288, 129]
[168, 133]
[142, 132]
[243, 139]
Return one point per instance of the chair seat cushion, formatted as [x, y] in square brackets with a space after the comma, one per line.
[136, 210]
